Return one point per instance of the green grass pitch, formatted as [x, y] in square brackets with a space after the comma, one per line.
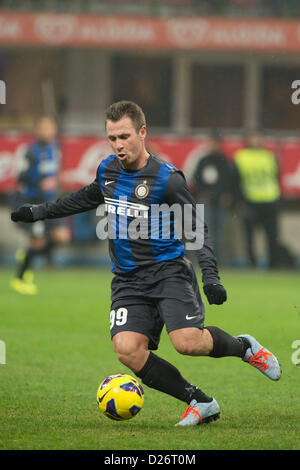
[58, 350]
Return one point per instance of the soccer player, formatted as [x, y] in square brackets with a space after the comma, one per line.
[38, 181]
[154, 284]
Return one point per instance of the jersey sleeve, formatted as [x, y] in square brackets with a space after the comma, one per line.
[194, 229]
[85, 199]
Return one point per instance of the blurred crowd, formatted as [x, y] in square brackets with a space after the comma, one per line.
[214, 7]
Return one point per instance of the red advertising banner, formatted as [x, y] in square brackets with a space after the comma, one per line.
[82, 155]
[184, 33]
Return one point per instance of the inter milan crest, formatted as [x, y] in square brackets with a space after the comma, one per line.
[142, 190]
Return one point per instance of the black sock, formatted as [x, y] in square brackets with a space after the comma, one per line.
[47, 250]
[164, 377]
[225, 344]
[30, 254]
[26, 263]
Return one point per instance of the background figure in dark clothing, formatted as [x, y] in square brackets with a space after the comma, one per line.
[258, 189]
[38, 183]
[212, 186]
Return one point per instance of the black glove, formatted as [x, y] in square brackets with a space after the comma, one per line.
[27, 213]
[215, 293]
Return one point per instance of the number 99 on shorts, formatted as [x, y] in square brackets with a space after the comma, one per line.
[118, 317]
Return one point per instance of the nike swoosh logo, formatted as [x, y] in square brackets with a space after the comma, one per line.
[108, 182]
[190, 318]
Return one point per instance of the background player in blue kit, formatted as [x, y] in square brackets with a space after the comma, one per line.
[38, 183]
[154, 284]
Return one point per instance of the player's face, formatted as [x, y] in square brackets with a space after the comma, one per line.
[46, 130]
[127, 144]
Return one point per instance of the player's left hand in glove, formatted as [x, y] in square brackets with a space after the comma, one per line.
[215, 293]
[27, 213]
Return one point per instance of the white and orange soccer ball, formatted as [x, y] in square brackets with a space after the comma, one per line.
[120, 397]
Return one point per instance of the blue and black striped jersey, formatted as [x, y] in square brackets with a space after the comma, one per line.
[141, 231]
[41, 161]
[129, 197]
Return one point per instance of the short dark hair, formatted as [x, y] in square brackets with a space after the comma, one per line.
[120, 109]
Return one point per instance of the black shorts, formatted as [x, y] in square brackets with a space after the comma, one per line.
[166, 293]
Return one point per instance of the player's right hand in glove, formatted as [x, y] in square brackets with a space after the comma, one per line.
[27, 213]
[215, 293]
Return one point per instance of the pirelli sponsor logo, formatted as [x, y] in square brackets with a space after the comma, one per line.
[123, 219]
[123, 207]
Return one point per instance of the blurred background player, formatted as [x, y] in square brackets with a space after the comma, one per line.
[259, 191]
[211, 184]
[38, 182]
